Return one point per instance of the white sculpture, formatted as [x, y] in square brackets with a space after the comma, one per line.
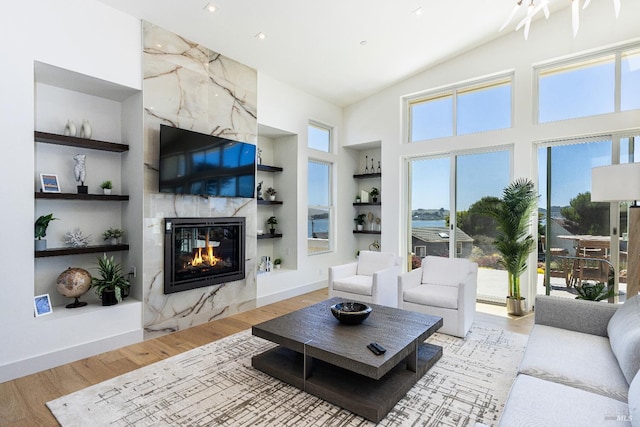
[79, 170]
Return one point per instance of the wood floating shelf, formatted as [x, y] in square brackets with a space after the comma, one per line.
[269, 236]
[267, 168]
[86, 250]
[366, 232]
[78, 196]
[368, 204]
[269, 202]
[73, 141]
[367, 175]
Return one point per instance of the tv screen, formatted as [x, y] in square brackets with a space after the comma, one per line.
[207, 165]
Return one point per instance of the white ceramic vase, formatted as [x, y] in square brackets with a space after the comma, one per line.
[85, 130]
[70, 129]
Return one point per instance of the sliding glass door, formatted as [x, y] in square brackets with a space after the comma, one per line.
[575, 242]
[460, 183]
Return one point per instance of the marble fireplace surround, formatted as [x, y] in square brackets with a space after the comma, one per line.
[192, 87]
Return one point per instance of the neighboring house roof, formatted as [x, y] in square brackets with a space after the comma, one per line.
[438, 234]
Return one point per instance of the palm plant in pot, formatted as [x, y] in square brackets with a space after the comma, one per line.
[513, 218]
[111, 286]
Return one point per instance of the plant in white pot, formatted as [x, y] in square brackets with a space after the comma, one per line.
[513, 219]
[41, 225]
[106, 187]
[360, 220]
[271, 192]
[113, 235]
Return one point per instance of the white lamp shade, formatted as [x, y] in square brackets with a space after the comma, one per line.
[615, 183]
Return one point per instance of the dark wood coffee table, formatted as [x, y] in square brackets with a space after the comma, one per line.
[330, 360]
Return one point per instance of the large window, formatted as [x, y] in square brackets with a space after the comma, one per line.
[577, 90]
[461, 110]
[630, 80]
[319, 137]
[474, 180]
[606, 83]
[319, 213]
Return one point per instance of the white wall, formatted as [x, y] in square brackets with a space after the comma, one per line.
[79, 35]
[380, 117]
[285, 108]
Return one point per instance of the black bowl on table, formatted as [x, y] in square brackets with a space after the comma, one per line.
[350, 313]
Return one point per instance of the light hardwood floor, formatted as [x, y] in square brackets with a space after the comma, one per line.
[22, 401]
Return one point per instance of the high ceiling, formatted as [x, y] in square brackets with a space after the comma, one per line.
[338, 50]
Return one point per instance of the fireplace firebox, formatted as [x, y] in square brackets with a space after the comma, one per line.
[201, 252]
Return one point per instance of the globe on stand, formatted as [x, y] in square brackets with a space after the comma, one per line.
[73, 283]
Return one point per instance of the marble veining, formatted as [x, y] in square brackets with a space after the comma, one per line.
[192, 87]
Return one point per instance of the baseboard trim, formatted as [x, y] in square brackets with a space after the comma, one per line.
[21, 368]
[290, 293]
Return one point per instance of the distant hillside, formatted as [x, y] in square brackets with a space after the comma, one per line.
[429, 214]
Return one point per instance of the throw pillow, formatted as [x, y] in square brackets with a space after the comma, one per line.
[624, 336]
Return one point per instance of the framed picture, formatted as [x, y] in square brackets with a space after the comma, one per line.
[42, 305]
[49, 183]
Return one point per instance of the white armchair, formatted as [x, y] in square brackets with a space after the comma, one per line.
[445, 287]
[372, 278]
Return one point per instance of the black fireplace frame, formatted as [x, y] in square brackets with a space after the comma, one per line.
[170, 227]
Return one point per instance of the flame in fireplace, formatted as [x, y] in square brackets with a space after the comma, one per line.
[208, 259]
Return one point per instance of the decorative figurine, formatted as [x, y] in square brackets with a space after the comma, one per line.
[366, 163]
[80, 171]
[379, 170]
[259, 191]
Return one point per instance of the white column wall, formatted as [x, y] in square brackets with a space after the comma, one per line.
[380, 116]
[285, 108]
[80, 35]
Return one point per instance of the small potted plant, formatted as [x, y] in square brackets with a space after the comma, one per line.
[358, 199]
[41, 225]
[360, 221]
[111, 286]
[106, 186]
[113, 234]
[277, 263]
[272, 221]
[271, 192]
[374, 193]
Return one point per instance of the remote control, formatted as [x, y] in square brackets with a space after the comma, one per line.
[380, 348]
[374, 349]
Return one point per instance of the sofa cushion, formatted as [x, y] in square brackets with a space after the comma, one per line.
[445, 271]
[536, 402]
[361, 285]
[369, 262]
[575, 359]
[433, 295]
[624, 336]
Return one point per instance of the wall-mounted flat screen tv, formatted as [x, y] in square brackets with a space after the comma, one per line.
[206, 165]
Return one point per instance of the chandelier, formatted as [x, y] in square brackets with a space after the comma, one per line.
[535, 6]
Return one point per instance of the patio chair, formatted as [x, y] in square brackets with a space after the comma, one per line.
[372, 278]
[445, 287]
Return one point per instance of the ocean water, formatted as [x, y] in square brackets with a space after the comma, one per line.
[322, 225]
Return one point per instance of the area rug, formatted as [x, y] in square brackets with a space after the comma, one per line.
[215, 385]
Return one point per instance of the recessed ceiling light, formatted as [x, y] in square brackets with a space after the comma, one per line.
[417, 11]
[363, 43]
[211, 8]
[261, 36]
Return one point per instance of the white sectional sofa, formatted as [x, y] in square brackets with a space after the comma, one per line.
[580, 366]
